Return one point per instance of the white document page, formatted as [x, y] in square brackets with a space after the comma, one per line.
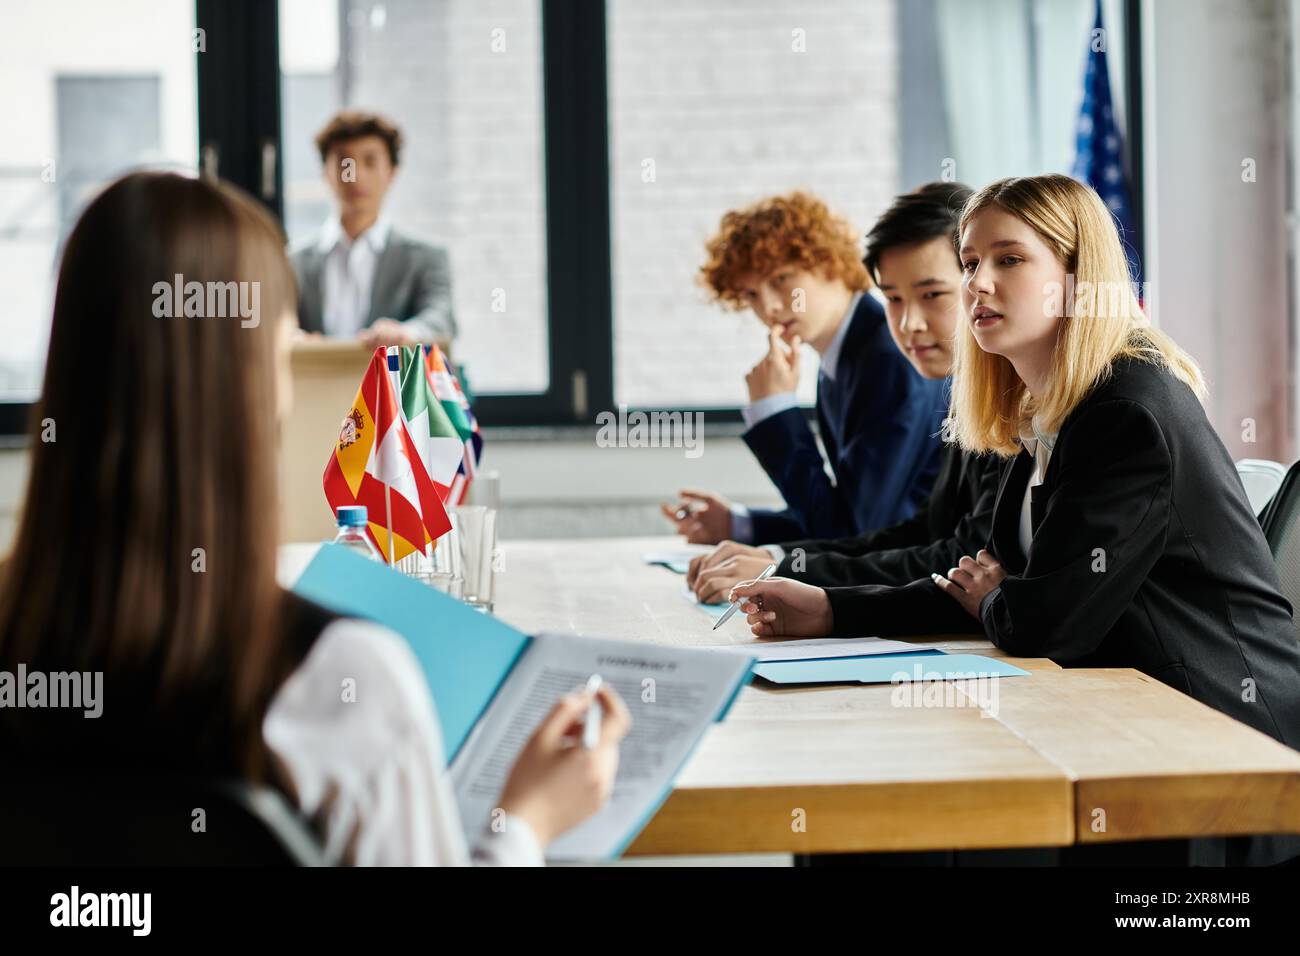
[672, 693]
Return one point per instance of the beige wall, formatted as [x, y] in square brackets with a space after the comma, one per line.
[1215, 83]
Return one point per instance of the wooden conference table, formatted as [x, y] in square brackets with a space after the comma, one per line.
[1064, 756]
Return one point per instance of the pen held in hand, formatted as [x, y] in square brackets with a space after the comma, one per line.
[685, 511]
[591, 722]
[735, 605]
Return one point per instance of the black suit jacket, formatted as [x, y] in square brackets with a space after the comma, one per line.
[1145, 554]
[955, 521]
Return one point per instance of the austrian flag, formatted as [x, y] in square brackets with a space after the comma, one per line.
[375, 463]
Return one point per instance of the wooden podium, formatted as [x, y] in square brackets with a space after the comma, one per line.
[325, 374]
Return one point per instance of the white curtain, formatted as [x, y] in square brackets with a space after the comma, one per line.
[1012, 74]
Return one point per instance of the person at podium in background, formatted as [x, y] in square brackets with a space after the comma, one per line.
[359, 277]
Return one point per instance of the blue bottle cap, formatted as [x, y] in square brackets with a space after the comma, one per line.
[352, 516]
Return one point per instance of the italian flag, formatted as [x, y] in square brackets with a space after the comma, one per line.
[375, 463]
[436, 440]
[457, 407]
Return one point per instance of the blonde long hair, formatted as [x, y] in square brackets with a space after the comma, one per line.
[990, 404]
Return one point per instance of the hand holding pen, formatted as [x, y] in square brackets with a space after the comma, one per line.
[780, 607]
[735, 604]
[704, 518]
[566, 770]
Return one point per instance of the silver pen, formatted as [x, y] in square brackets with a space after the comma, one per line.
[735, 605]
[591, 723]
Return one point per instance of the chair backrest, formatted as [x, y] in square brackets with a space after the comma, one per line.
[1261, 479]
[77, 820]
[1281, 522]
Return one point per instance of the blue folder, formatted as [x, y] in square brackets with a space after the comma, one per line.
[886, 669]
[676, 565]
[465, 657]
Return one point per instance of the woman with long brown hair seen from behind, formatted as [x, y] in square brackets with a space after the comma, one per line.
[147, 544]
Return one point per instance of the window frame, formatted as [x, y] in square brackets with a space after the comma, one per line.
[239, 126]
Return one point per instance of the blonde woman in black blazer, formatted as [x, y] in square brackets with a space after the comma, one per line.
[1121, 534]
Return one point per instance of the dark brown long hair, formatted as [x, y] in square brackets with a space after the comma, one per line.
[163, 444]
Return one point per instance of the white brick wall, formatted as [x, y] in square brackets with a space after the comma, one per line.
[712, 91]
[472, 174]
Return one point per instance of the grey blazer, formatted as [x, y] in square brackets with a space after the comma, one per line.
[412, 284]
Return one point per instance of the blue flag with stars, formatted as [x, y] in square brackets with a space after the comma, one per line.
[1099, 149]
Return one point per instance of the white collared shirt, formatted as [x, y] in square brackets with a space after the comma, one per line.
[368, 768]
[830, 359]
[349, 275]
[1039, 444]
[765, 408]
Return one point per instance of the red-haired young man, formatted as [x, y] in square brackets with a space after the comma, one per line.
[799, 269]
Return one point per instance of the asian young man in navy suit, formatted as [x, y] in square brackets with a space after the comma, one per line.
[799, 269]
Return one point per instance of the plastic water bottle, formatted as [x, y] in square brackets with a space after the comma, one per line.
[352, 532]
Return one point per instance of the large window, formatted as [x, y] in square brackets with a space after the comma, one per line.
[716, 103]
[463, 79]
[92, 90]
[571, 155]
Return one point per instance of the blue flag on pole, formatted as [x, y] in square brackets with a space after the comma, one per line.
[1099, 148]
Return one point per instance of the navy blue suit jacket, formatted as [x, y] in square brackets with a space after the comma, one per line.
[880, 423]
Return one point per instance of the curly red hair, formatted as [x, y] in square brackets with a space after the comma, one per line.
[795, 229]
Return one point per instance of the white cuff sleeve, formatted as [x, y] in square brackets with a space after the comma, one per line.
[511, 842]
[765, 408]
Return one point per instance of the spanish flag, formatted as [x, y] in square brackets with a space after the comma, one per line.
[375, 463]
